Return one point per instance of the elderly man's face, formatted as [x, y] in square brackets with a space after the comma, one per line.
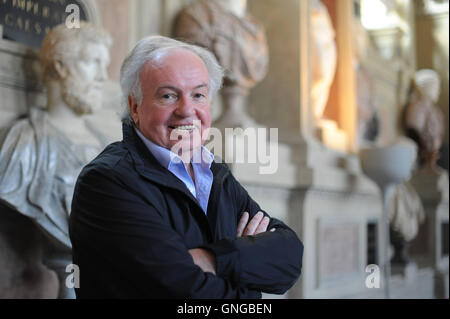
[176, 105]
[83, 85]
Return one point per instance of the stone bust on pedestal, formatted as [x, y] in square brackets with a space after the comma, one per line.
[41, 155]
[423, 121]
[240, 45]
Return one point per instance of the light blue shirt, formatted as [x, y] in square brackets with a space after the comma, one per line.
[201, 164]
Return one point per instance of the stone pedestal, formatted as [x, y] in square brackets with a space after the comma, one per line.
[400, 245]
[430, 247]
[58, 261]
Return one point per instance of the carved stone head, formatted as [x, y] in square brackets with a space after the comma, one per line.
[77, 59]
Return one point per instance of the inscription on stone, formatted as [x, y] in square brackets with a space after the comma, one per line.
[28, 21]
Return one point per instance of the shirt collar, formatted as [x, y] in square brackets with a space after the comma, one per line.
[166, 157]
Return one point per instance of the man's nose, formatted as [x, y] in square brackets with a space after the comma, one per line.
[185, 107]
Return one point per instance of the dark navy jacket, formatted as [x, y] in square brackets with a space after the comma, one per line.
[133, 222]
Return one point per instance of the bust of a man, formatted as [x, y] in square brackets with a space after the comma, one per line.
[423, 121]
[74, 63]
[239, 43]
[41, 155]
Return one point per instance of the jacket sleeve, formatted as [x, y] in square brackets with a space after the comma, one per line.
[111, 226]
[270, 261]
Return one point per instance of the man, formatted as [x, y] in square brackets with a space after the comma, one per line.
[238, 41]
[41, 155]
[154, 216]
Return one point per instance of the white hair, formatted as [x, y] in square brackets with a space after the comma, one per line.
[152, 49]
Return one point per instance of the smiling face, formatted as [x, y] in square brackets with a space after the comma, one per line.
[175, 108]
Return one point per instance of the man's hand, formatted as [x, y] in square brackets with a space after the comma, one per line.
[257, 225]
[204, 259]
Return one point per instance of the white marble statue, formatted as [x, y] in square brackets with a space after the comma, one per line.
[423, 121]
[238, 40]
[323, 57]
[41, 155]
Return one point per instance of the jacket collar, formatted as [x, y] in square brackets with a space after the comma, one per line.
[149, 167]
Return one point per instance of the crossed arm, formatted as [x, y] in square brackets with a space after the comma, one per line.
[258, 224]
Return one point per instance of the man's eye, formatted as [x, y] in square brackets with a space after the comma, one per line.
[168, 96]
[198, 96]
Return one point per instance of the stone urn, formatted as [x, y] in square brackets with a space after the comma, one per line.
[387, 166]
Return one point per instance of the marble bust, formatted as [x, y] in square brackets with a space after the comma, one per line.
[423, 121]
[42, 154]
[323, 57]
[239, 43]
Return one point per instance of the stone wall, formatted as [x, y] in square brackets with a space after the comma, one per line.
[319, 192]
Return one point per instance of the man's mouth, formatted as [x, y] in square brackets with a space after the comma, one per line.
[184, 128]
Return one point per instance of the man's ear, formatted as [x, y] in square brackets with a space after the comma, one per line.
[132, 105]
[60, 69]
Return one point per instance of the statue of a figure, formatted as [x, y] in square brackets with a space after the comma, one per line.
[41, 155]
[323, 57]
[240, 45]
[423, 121]
[406, 216]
